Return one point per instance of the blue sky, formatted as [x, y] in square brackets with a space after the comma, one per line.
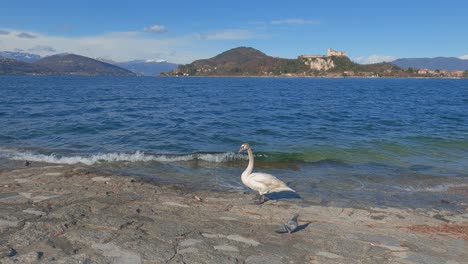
[182, 31]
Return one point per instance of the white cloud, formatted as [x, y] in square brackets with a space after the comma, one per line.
[464, 57]
[295, 21]
[374, 59]
[118, 46]
[229, 34]
[155, 29]
[42, 48]
[26, 35]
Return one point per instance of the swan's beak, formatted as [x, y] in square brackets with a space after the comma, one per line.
[240, 150]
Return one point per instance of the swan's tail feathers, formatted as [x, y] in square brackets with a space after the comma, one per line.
[283, 189]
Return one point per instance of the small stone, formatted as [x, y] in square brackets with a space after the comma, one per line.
[40, 254]
[188, 250]
[263, 260]
[228, 218]
[8, 223]
[118, 254]
[40, 198]
[226, 248]
[53, 174]
[138, 210]
[243, 240]
[208, 235]
[329, 255]
[34, 212]
[22, 180]
[189, 242]
[101, 179]
[26, 195]
[176, 204]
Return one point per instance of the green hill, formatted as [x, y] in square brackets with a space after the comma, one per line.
[242, 61]
[345, 64]
[246, 61]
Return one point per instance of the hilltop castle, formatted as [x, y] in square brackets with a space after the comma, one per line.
[321, 62]
[332, 52]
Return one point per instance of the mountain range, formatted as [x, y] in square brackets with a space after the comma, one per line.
[143, 67]
[147, 67]
[61, 64]
[438, 63]
[139, 67]
[72, 64]
[20, 56]
[235, 62]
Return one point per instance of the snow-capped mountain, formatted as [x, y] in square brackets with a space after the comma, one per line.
[20, 56]
[143, 67]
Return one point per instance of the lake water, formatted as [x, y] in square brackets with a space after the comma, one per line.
[356, 142]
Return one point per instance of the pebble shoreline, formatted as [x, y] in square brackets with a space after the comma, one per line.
[72, 214]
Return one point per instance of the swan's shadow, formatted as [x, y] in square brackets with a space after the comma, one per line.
[282, 195]
[302, 227]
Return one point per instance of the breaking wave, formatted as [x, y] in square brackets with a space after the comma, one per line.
[137, 156]
[435, 188]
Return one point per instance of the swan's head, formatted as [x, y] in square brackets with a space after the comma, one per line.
[244, 146]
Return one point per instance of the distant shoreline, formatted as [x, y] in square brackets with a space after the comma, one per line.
[243, 76]
[313, 77]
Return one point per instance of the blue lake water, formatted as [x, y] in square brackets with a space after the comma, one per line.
[359, 142]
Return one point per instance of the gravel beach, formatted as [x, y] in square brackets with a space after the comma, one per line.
[74, 214]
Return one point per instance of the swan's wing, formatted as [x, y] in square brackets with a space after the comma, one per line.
[266, 180]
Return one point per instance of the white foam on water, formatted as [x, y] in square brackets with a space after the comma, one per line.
[138, 156]
[435, 188]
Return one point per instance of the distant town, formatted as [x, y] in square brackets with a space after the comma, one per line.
[324, 63]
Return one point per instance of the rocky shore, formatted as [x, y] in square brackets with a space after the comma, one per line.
[73, 214]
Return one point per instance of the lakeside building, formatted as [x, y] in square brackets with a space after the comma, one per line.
[457, 73]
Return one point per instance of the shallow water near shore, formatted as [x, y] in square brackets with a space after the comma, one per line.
[347, 142]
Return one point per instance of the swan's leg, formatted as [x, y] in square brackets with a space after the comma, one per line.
[257, 197]
[261, 199]
[257, 200]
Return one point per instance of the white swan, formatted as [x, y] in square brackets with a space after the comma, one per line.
[263, 183]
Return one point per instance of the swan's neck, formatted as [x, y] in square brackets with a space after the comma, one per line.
[249, 168]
